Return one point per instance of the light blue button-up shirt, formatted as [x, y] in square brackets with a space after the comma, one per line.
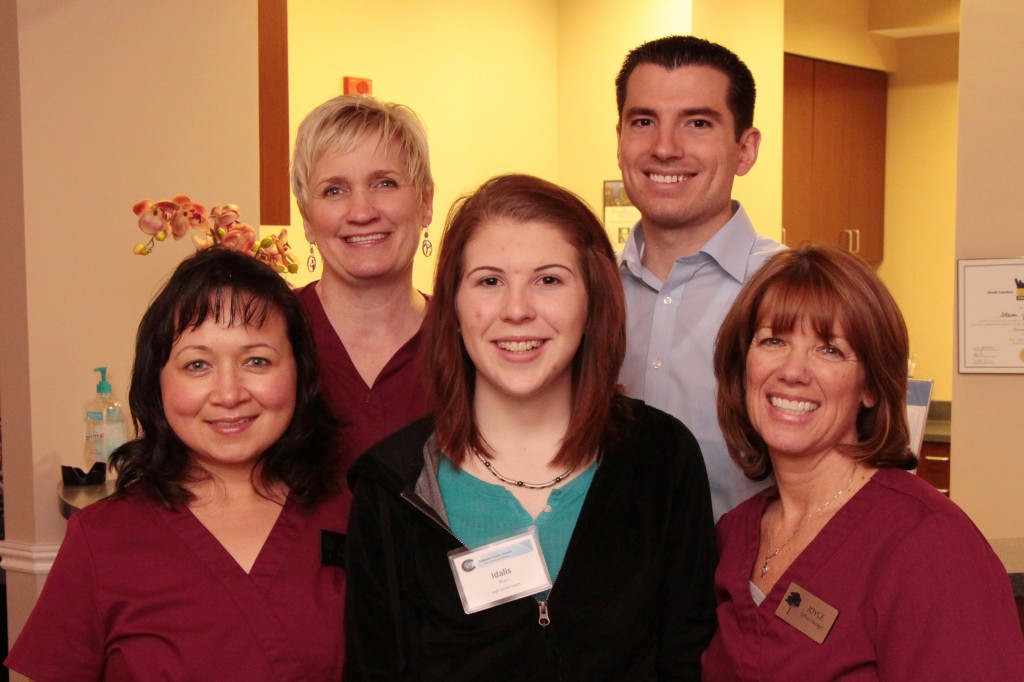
[671, 330]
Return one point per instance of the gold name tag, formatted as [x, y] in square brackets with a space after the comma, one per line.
[807, 613]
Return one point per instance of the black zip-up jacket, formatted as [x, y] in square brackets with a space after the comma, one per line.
[633, 600]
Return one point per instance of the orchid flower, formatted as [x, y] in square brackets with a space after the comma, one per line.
[222, 225]
[274, 250]
[237, 236]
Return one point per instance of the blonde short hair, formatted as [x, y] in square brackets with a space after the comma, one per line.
[343, 123]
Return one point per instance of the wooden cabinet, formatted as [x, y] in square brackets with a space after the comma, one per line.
[934, 465]
[833, 161]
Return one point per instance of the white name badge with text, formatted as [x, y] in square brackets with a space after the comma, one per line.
[500, 572]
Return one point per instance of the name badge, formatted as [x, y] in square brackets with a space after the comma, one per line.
[500, 572]
[807, 613]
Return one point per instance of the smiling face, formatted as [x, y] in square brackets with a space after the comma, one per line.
[522, 309]
[229, 391]
[365, 214]
[678, 151]
[803, 392]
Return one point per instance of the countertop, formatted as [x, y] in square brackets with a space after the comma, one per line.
[74, 497]
[1011, 552]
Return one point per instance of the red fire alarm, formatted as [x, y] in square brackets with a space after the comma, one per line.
[358, 86]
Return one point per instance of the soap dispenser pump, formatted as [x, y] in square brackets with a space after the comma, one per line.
[95, 413]
[103, 428]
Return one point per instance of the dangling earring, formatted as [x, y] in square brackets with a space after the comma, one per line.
[427, 248]
[311, 261]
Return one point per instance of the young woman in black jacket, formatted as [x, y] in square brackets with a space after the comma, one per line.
[537, 525]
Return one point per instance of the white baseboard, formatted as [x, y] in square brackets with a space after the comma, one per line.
[19, 557]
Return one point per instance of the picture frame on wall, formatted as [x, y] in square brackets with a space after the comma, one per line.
[620, 215]
[990, 315]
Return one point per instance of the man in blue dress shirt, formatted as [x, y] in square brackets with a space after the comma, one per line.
[685, 131]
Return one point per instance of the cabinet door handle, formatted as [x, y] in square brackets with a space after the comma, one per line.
[848, 238]
[784, 236]
[856, 248]
[937, 458]
[944, 491]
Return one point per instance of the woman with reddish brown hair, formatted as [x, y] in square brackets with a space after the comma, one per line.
[538, 524]
[849, 567]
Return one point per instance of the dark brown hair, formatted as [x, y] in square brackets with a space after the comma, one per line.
[673, 52]
[826, 287]
[595, 368]
[228, 287]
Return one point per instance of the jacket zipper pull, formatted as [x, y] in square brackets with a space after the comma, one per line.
[545, 619]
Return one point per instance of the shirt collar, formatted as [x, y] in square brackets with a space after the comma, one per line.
[729, 247]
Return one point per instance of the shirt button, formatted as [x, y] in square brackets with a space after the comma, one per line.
[656, 364]
[667, 300]
[547, 507]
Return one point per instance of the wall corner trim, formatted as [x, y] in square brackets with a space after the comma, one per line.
[20, 557]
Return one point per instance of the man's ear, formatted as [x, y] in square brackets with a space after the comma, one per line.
[750, 142]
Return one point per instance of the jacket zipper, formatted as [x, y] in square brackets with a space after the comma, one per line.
[544, 618]
[432, 515]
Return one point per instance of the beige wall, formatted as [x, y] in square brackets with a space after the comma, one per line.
[119, 100]
[988, 431]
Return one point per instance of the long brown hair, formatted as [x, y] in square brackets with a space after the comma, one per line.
[595, 367]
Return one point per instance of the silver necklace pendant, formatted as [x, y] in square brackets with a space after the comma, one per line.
[771, 555]
[521, 484]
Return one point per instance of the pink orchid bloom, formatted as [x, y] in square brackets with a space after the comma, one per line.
[153, 217]
[152, 220]
[239, 237]
[220, 226]
[223, 216]
[187, 215]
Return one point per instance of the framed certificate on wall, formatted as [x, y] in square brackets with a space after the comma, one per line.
[990, 315]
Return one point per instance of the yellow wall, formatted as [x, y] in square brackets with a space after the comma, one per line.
[837, 31]
[988, 431]
[921, 147]
[906, 18]
[754, 30]
[920, 205]
[523, 86]
[480, 75]
[594, 37]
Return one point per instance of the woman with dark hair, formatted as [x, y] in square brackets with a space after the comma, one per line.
[214, 558]
[538, 525]
[849, 567]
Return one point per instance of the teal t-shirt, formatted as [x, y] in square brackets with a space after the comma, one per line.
[480, 512]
